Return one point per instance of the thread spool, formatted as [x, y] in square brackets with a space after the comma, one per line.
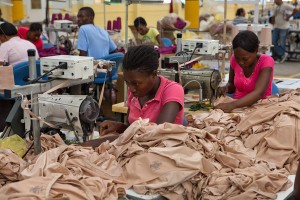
[59, 16]
[109, 25]
[115, 25]
[119, 23]
[234, 32]
[266, 36]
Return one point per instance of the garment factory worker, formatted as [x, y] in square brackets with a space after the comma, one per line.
[32, 34]
[250, 75]
[240, 17]
[280, 20]
[92, 40]
[149, 94]
[13, 49]
[146, 35]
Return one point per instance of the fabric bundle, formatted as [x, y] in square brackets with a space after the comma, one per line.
[63, 172]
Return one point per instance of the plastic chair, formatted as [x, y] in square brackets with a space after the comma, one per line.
[167, 42]
[100, 79]
[275, 89]
[47, 45]
[21, 72]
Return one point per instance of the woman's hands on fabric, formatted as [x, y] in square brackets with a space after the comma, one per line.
[222, 91]
[226, 107]
[108, 126]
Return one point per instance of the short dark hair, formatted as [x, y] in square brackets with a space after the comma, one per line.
[239, 11]
[36, 27]
[246, 40]
[139, 21]
[141, 58]
[89, 11]
[8, 29]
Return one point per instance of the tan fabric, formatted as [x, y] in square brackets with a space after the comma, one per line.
[52, 187]
[66, 172]
[187, 163]
[245, 155]
[11, 166]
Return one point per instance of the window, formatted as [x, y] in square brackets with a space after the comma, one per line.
[36, 4]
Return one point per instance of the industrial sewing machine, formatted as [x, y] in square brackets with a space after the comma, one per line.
[206, 80]
[54, 111]
[73, 112]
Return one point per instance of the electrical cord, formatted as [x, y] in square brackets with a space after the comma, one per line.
[62, 65]
[197, 46]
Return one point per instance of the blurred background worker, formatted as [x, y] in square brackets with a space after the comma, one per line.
[146, 35]
[280, 20]
[92, 40]
[13, 49]
[32, 34]
[240, 17]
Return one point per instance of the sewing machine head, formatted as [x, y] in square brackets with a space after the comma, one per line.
[76, 113]
[209, 79]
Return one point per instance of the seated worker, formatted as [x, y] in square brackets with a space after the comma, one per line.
[240, 17]
[147, 35]
[251, 73]
[150, 95]
[92, 40]
[13, 49]
[32, 34]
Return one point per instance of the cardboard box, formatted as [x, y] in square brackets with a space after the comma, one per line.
[7, 77]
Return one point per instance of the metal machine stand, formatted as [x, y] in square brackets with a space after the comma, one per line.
[34, 90]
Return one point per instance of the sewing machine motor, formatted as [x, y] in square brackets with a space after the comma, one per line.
[73, 112]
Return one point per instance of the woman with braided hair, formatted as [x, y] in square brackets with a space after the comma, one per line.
[250, 75]
[149, 95]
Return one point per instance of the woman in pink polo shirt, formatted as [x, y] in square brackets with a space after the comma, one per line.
[149, 95]
[251, 73]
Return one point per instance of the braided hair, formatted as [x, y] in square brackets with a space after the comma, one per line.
[8, 29]
[141, 58]
[246, 40]
[139, 21]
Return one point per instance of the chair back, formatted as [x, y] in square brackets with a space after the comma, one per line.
[275, 89]
[117, 57]
[167, 42]
[21, 72]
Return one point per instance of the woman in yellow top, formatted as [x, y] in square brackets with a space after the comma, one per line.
[146, 35]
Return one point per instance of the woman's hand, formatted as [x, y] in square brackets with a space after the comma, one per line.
[226, 107]
[108, 126]
[222, 91]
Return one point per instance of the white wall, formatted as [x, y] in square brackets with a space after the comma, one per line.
[38, 15]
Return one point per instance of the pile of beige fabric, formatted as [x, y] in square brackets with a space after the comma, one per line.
[244, 155]
[61, 173]
[247, 154]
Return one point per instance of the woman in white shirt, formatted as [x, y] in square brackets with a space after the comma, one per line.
[240, 17]
[13, 49]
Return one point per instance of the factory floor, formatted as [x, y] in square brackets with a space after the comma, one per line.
[288, 69]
